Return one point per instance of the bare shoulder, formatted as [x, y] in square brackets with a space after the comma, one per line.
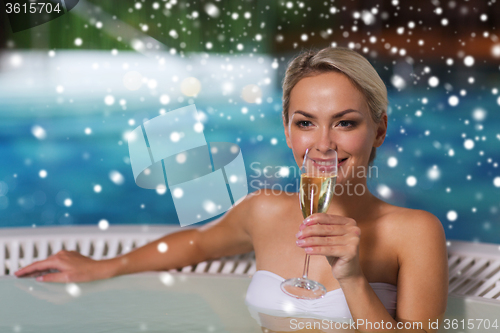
[234, 232]
[422, 278]
[262, 205]
[266, 205]
[409, 221]
[271, 201]
[413, 229]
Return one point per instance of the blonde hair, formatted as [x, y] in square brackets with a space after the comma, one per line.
[354, 66]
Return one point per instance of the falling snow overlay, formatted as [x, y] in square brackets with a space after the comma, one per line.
[71, 97]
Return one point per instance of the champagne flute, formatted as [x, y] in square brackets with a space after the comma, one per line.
[317, 184]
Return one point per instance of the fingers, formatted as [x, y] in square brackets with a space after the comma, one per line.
[39, 266]
[321, 241]
[323, 218]
[54, 277]
[327, 230]
[38, 273]
[337, 240]
[345, 247]
[347, 239]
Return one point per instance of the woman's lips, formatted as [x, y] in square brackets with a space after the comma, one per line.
[328, 163]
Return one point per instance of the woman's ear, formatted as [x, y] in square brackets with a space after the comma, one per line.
[381, 131]
[287, 133]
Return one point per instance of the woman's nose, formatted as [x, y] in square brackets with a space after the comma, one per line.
[325, 142]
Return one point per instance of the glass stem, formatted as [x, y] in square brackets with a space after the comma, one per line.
[306, 267]
[306, 264]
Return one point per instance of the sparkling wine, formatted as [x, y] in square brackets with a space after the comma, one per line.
[316, 193]
[317, 186]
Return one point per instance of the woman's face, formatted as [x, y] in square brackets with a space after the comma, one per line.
[326, 111]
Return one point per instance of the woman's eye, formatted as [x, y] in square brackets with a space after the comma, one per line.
[303, 123]
[346, 123]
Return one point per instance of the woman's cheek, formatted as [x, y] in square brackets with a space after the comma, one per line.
[362, 144]
[352, 143]
[300, 141]
[356, 144]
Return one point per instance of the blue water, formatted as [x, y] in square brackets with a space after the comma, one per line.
[75, 162]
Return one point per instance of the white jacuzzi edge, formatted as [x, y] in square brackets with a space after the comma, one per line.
[474, 268]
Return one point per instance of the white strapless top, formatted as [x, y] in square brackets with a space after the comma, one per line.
[264, 295]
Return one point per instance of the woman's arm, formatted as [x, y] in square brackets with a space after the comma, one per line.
[225, 236]
[422, 278]
[418, 239]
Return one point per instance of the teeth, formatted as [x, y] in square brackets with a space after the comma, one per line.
[330, 163]
[324, 163]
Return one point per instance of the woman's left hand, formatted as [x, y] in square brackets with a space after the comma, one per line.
[337, 238]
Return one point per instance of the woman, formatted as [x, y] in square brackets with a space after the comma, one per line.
[334, 99]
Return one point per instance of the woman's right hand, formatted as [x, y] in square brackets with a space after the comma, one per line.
[71, 267]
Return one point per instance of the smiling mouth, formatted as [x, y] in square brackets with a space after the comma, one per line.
[324, 163]
[329, 163]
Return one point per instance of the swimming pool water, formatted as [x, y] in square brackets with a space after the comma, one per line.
[430, 147]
